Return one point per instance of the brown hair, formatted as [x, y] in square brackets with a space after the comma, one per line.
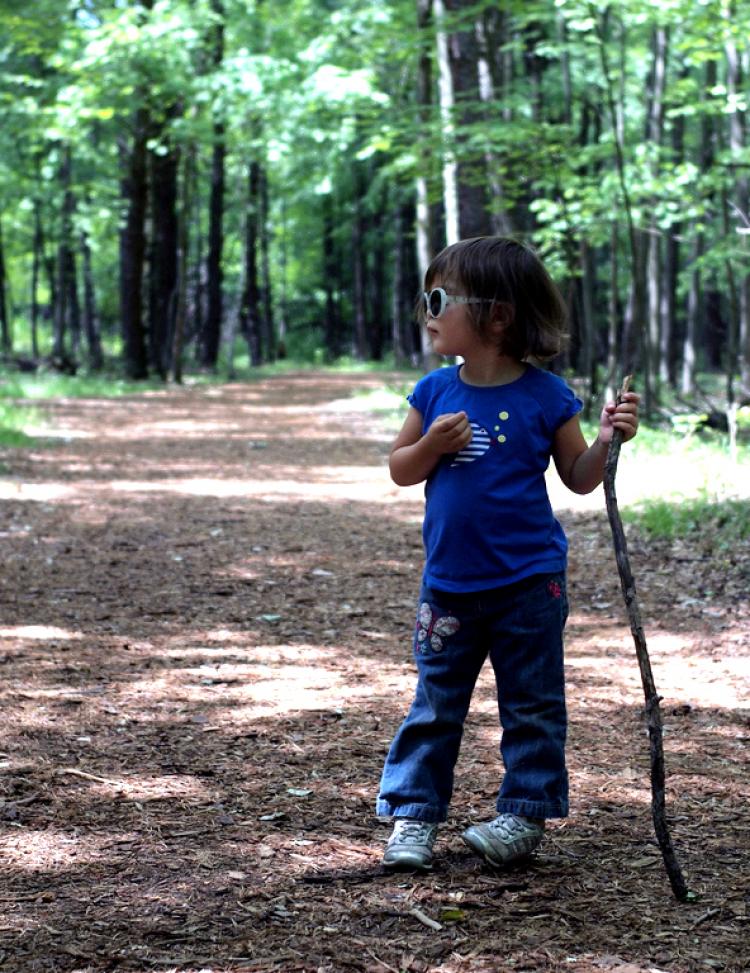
[504, 271]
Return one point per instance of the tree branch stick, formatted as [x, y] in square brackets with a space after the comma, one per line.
[653, 712]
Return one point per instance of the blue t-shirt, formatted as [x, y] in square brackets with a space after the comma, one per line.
[488, 519]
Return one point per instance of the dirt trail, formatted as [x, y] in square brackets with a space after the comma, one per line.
[206, 604]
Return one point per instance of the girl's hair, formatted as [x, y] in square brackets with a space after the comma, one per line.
[504, 271]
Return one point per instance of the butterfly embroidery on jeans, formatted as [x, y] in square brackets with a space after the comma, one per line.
[434, 629]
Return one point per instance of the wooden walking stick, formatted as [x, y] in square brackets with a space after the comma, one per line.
[653, 713]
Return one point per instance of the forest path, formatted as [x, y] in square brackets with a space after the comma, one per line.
[206, 604]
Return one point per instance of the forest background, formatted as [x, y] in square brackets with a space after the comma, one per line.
[191, 183]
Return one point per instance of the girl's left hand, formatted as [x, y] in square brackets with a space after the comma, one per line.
[623, 416]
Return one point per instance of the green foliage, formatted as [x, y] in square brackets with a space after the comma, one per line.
[723, 522]
[324, 94]
[15, 423]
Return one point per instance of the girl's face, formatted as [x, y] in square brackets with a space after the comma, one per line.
[453, 332]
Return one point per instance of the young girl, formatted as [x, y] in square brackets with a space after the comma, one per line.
[481, 435]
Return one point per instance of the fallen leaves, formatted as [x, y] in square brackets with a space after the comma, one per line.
[192, 747]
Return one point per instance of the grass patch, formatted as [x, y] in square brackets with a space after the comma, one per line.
[14, 422]
[725, 521]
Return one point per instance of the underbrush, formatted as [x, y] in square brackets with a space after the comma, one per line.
[722, 521]
[15, 421]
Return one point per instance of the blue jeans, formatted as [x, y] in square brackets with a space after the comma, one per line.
[520, 627]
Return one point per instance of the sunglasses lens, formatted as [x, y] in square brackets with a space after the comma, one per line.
[435, 302]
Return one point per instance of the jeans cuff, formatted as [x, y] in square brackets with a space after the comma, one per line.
[534, 809]
[420, 812]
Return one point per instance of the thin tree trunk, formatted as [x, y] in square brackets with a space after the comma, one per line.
[740, 336]
[331, 275]
[448, 128]
[359, 299]
[668, 356]
[423, 226]
[377, 286]
[397, 261]
[264, 240]
[692, 321]
[634, 325]
[215, 283]
[654, 256]
[6, 341]
[183, 254]
[282, 279]
[196, 311]
[133, 248]
[37, 263]
[465, 63]
[496, 206]
[163, 252]
[250, 317]
[697, 310]
[614, 314]
[588, 322]
[90, 320]
[68, 311]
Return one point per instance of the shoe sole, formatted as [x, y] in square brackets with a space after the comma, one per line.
[406, 866]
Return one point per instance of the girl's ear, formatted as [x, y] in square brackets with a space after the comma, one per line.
[502, 316]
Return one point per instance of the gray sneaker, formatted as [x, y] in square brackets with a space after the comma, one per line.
[410, 844]
[506, 839]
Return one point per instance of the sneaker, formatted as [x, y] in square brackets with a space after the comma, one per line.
[410, 844]
[506, 839]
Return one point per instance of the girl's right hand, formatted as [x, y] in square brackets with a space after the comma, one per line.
[449, 433]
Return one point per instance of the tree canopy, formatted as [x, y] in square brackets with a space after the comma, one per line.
[178, 175]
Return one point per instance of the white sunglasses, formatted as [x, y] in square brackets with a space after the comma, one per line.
[436, 301]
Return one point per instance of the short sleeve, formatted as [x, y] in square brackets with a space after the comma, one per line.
[419, 396]
[570, 406]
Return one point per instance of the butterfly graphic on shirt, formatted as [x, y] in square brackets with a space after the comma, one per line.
[433, 628]
[480, 443]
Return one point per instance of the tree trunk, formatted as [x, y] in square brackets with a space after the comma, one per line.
[215, 282]
[163, 253]
[264, 240]
[196, 311]
[397, 287]
[423, 227]
[692, 321]
[465, 64]
[90, 321]
[250, 318]
[614, 317]
[698, 296]
[587, 361]
[377, 287]
[37, 262]
[654, 257]
[669, 356]
[498, 210]
[447, 105]
[359, 296]
[67, 310]
[6, 342]
[281, 307]
[740, 336]
[635, 351]
[183, 249]
[331, 277]
[133, 248]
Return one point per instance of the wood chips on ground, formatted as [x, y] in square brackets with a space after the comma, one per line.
[206, 607]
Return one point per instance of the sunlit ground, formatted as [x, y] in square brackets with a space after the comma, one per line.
[211, 747]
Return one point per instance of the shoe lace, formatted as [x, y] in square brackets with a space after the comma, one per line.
[507, 825]
[410, 830]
